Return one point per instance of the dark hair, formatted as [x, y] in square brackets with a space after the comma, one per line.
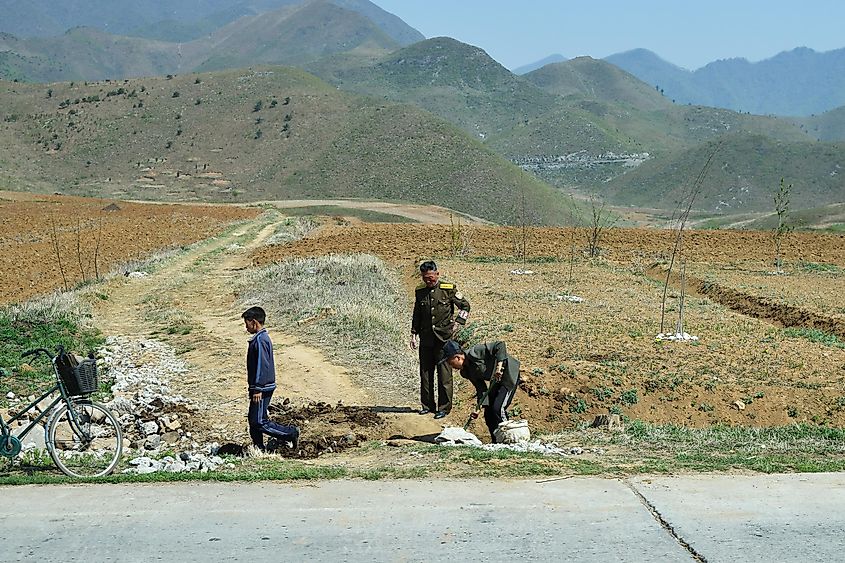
[428, 266]
[255, 314]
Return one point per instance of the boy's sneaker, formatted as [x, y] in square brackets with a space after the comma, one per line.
[272, 445]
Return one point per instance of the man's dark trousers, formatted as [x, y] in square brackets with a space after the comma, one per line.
[430, 355]
[500, 398]
[260, 423]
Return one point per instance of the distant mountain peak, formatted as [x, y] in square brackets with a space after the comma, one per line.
[551, 59]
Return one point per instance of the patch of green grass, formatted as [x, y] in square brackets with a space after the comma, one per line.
[473, 333]
[602, 393]
[814, 335]
[815, 267]
[270, 470]
[510, 259]
[47, 322]
[628, 397]
[578, 406]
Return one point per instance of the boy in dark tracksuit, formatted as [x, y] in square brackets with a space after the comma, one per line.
[480, 364]
[261, 379]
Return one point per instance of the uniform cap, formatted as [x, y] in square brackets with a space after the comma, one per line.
[450, 350]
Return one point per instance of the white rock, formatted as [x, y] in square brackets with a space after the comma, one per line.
[143, 461]
[455, 435]
[149, 428]
[175, 467]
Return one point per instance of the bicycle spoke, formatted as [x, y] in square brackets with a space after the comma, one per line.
[85, 441]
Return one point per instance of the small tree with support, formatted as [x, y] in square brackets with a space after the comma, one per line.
[783, 228]
[677, 249]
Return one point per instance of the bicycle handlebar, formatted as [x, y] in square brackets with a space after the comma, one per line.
[38, 351]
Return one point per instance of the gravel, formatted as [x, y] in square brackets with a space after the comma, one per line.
[151, 415]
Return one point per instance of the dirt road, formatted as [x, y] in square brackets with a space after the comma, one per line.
[430, 214]
[190, 303]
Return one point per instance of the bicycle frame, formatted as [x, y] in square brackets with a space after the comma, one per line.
[5, 428]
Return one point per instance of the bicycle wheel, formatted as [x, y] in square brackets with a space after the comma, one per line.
[84, 439]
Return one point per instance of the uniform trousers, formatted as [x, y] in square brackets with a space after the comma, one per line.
[430, 356]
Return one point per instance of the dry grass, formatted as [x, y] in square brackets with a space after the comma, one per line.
[50, 309]
[352, 307]
[293, 228]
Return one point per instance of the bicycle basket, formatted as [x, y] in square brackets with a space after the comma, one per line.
[79, 378]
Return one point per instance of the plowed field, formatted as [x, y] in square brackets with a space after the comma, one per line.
[93, 236]
[600, 355]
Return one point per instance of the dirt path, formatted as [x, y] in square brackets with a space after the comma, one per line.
[430, 214]
[193, 294]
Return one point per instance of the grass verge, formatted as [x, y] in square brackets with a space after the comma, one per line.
[338, 211]
[640, 449]
[44, 322]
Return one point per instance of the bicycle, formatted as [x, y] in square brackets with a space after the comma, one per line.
[83, 437]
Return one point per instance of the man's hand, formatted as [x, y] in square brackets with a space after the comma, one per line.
[454, 327]
[497, 373]
[256, 397]
[414, 342]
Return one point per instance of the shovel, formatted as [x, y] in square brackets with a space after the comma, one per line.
[474, 414]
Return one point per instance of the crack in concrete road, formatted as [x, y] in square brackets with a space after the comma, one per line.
[665, 524]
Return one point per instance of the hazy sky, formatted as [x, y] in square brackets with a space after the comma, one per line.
[686, 33]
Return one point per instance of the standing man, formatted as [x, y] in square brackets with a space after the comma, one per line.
[480, 364]
[433, 323]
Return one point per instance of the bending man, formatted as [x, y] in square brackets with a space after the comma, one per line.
[480, 364]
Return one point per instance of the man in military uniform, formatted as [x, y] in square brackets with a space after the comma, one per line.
[483, 363]
[433, 323]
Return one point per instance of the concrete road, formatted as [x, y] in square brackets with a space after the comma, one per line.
[712, 518]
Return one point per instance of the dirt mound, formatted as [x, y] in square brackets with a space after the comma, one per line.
[324, 413]
[326, 428]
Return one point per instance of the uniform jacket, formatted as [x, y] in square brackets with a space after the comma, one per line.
[434, 311]
[480, 363]
[260, 369]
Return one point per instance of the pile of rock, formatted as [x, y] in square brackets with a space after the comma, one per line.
[184, 462]
[538, 447]
[150, 414]
[676, 337]
[456, 436]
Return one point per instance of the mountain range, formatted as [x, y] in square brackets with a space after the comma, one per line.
[247, 135]
[800, 82]
[180, 21]
[423, 106]
[291, 34]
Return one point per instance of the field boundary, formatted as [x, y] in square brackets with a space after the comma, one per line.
[753, 306]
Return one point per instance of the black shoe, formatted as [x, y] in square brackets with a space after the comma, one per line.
[440, 414]
[294, 444]
[423, 411]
